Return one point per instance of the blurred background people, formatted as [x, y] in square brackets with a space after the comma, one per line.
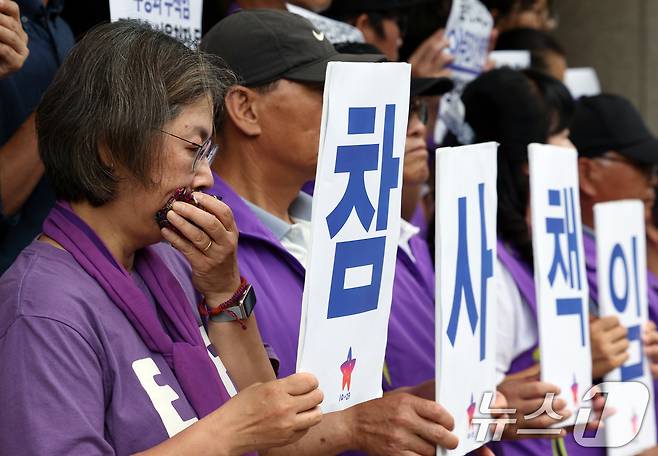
[546, 54]
[511, 14]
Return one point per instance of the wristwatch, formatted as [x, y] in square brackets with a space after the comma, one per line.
[238, 308]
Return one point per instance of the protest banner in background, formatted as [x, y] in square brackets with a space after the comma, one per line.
[468, 31]
[466, 203]
[355, 230]
[621, 271]
[178, 18]
[516, 60]
[560, 281]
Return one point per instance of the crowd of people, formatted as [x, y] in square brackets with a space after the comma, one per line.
[152, 194]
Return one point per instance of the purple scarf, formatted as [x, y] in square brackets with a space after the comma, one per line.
[524, 278]
[181, 345]
[520, 272]
[589, 246]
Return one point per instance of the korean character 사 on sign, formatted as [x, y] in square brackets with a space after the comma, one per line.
[466, 207]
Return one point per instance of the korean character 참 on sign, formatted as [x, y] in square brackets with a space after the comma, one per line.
[356, 160]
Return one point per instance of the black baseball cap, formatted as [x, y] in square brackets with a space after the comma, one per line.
[419, 86]
[264, 45]
[430, 86]
[607, 122]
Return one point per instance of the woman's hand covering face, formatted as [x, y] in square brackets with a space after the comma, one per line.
[208, 238]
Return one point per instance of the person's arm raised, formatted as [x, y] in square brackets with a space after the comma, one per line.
[13, 39]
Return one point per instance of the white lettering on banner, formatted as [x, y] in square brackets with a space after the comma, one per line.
[559, 263]
[354, 230]
[219, 365]
[622, 292]
[162, 396]
[466, 207]
[180, 19]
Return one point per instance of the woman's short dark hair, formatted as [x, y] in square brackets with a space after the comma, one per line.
[110, 97]
[537, 42]
[557, 98]
[502, 105]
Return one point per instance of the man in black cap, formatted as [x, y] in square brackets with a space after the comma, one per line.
[268, 139]
[618, 155]
[618, 159]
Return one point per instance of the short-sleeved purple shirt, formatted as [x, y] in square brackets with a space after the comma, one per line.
[75, 377]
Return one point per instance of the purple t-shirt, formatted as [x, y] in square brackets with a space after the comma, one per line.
[76, 378]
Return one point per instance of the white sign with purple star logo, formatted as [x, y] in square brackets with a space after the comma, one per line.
[622, 291]
[466, 204]
[355, 230]
[559, 267]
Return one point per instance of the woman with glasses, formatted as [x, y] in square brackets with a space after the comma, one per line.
[102, 345]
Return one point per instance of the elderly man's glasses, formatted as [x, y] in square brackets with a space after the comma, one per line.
[205, 151]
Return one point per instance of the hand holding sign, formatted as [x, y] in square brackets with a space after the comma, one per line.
[292, 408]
[402, 424]
[431, 59]
[609, 344]
[650, 342]
[526, 394]
[13, 39]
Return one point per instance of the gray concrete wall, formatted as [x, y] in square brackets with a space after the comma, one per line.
[619, 38]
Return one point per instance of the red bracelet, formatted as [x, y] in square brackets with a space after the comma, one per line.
[206, 312]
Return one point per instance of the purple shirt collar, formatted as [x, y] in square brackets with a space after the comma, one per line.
[247, 222]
